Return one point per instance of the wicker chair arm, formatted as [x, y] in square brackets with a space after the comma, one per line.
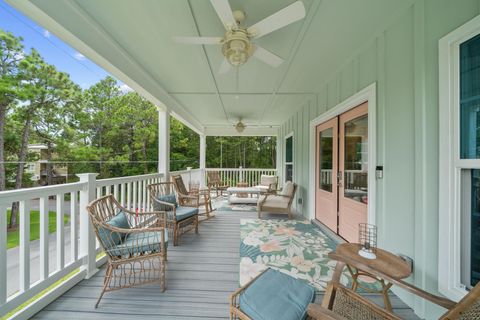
[318, 312]
[163, 203]
[108, 227]
[189, 200]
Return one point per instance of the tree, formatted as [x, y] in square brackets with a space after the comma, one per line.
[45, 89]
[11, 53]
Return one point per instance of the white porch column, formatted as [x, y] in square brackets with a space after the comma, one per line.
[87, 234]
[203, 160]
[164, 143]
[279, 159]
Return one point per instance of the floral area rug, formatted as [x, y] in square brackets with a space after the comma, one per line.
[296, 248]
[223, 205]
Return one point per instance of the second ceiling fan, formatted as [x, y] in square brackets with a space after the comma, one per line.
[237, 45]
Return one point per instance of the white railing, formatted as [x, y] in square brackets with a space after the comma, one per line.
[75, 253]
[234, 175]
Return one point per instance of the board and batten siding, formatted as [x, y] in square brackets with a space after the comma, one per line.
[403, 62]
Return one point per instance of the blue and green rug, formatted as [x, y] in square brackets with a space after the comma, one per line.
[223, 205]
[294, 247]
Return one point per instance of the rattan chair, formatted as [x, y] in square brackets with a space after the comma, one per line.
[197, 198]
[135, 244]
[214, 182]
[179, 220]
[341, 303]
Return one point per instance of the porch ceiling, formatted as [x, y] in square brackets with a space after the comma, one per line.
[133, 41]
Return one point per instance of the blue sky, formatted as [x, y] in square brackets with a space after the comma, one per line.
[82, 71]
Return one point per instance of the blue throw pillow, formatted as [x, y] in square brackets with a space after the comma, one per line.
[170, 198]
[110, 238]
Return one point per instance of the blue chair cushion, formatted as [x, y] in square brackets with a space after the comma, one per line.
[170, 198]
[136, 243]
[185, 212]
[277, 296]
[109, 238]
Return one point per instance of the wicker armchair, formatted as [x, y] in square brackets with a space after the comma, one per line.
[268, 184]
[278, 203]
[179, 219]
[341, 303]
[135, 244]
[195, 198]
[214, 182]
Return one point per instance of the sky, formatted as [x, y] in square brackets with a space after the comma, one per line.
[82, 71]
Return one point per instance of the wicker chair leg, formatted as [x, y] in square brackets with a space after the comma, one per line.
[175, 235]
[163, 285]
[106, 282]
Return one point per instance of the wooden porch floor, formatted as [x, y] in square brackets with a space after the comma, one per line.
[201, 274]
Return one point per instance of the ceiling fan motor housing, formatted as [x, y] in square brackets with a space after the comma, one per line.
[237, 47]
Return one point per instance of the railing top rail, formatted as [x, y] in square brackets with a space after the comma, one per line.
[242, 169]
[111, 181]
[185, 171]
[7, 197]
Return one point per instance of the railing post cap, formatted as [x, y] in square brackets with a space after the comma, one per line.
[85, 176]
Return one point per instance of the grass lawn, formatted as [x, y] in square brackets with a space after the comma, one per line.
[13, 236]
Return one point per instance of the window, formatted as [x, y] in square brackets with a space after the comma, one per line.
[459, 199]
[289, 158]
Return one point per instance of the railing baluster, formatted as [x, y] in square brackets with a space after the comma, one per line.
[129, 195]
[24, 259]
[99, 192]
[73, 226]
[3, 254]
[134, 204]
[148, 194]
[122, 194]
[144, 195]
[44, 253]
[115, 191]
[60, 232]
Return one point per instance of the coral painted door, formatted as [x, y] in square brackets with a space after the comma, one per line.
[326, 173]
[353, 172]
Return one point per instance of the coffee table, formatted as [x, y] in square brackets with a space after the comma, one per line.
[234, 191]
[386, 263]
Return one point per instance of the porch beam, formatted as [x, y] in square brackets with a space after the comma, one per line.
[203, 160]
[164, 143]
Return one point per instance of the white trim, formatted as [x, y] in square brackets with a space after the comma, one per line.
[367, 94]
[450, 164]
[284, 161]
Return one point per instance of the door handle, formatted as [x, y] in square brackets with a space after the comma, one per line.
[339, 179]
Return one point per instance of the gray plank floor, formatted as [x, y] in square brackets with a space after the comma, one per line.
[201, 274]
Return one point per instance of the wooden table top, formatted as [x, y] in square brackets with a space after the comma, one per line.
[386, 262]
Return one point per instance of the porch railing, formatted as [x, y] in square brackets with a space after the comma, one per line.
[234, 175]
[75, 255]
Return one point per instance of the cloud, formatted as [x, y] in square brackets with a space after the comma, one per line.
[77, 55]
[46, 33]
[125, 88]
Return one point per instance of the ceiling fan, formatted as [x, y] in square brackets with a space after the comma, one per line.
[237, 44]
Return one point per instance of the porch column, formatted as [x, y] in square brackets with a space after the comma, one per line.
[203, 148]
[164, 143]
[279, 159]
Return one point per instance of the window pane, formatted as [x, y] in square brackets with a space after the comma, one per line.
[289, 150]
[289, 172]
[470, 99]
[470, 232]
[356, 157]
[326, 159]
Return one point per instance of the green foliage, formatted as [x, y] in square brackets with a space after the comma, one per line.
[184, 146]
[248, 152]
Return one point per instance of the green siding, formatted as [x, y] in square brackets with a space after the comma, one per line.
[403, 61]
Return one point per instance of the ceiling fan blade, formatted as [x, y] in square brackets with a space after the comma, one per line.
[198, 40]
[224, 11]
[224, 67]
[267, 56]
[280, 19]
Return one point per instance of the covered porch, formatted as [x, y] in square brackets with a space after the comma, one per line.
[379, 55]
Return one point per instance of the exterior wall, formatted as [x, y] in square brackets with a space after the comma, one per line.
[403, 61]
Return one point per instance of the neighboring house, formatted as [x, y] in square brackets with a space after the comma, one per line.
[38, 169]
